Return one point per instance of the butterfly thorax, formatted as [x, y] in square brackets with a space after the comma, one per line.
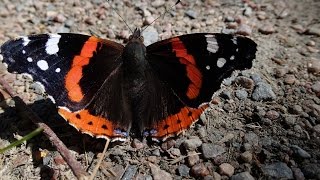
[137, 74]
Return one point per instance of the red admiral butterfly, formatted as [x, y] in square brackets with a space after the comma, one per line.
[104, 89]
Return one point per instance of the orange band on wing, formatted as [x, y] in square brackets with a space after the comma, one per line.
[75, 74]
[193, 72]
[88, 123]
[176, 123]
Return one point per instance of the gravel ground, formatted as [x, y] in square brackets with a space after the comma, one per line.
[264, 123]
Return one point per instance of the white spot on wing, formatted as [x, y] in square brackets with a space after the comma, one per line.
[58, 70]
[232, 57]
[52, 44]
[212, 45]
[26, 41]
[208, 67]
[221, 62]
[43, 65]
[23, 51]
[29, 59]
[1, 57]
[52, 99]
[234, 40]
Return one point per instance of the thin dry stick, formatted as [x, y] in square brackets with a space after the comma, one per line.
[75, 166]
[100, 160]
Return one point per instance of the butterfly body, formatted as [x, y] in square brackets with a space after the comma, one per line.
[108, 90]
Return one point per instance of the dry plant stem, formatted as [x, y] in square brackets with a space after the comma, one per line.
[96, 168]
[75, 166]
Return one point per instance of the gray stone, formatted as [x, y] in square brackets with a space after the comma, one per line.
[131, 170]
[311, 171]
[277, 170]
[150, 35]
[210, 150]
[256, 78]
[241, 94]
[192, 143]
[316, 87]
[191, 13]
[300, 152]
[263, 92]
[298, 175]
[242, 176]
[183, 170]
[251, 138]
[226, 169]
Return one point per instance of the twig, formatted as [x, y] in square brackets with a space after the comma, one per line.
[75, 166]
[100, 160]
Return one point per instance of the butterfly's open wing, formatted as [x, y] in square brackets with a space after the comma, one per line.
[193, 67]
[73, 69]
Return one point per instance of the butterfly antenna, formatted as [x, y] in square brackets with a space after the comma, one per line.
[163, 14]
[120, 16]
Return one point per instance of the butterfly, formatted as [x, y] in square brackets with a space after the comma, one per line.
[107, 90]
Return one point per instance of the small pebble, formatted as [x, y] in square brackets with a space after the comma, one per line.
[246, 156]
[300, 152]
[289, 79]
[263, 92]
[267, 29]
[244, 82]
[183, 170]
[299, 28]
[280, 72]
[193, 159]
[312, 49]
[290, 120]
[148, 20]
[210, 150]
[137, 144]
[216, 176]
[158, 173]
[60, 18]
[199, 170]
[272, 114]
[284, 13]
[241, 94]
[311, 43]
[192, 143]
[313, 31]
[158, 3]
[226, 169]
[314, 66]
[191, 13]
[244, 30]
[242, 176]
[278, 170]
[316, 128]
[248, 11]
[297, 173]
[262, 15]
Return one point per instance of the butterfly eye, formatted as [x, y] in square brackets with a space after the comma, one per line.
[141, 38]
[130, 37]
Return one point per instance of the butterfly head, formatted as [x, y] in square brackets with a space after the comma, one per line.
[136, 36]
